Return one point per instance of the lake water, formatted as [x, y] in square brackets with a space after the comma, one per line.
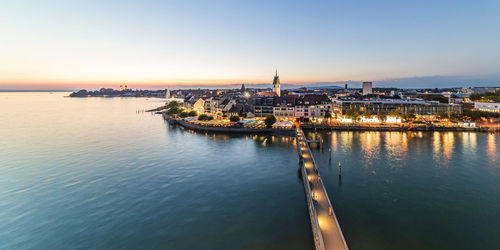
[100, 173]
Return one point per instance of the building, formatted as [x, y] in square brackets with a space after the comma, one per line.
[367, 88]
[266, 94]
[235, 110]
[211, 104]
[487, 106]
[276, 84]
[284, 107]
[403, 106]
[195, 104]
[312, 106]
[263, 106]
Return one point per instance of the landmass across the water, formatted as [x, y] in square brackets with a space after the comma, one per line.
[108, 92]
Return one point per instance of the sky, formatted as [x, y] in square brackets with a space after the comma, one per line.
[90, 44]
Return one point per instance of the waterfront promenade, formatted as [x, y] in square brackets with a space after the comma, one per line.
[329, 235]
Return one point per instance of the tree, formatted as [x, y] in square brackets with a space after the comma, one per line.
[234, 118]
[475, 97]
[351, 113]
[173, 111]
[192, 113]
[328, 114]
[438, 98]
[173, 104]
[183, 114]
[382, 115]
[477, 115]
[205, 117]
[410, 115]
[442, 114]
[270, 120]
[395, 112]
[486, 97]
[455, 116]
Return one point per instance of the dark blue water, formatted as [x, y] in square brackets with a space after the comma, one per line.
[96, 173]
[437, 190]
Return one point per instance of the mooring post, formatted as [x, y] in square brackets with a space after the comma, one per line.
[340, 169]
[330, 155]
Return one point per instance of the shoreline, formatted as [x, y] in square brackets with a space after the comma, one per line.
[275, 131]
[287, 132]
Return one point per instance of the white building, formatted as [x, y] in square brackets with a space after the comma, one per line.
[367, 88]
[487, 106]
[210, 106]
[197, 105]
[312, 106]
[284, 108]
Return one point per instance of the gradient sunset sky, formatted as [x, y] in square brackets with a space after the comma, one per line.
[76, 44]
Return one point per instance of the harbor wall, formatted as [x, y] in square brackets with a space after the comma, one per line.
[362, 128]
[282, 132]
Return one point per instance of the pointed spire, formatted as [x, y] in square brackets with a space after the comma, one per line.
[276, 72]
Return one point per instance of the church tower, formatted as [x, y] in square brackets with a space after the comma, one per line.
[276, 84]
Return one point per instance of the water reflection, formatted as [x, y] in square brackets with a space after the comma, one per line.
[436, 146]
[396, 147]
[448, 145]
[492, 149]
[346, 138]
[443, 146]
[370, 145]
[261, 140]
[469, 143]
[334, 142]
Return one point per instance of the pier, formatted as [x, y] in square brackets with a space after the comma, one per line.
[325, 227]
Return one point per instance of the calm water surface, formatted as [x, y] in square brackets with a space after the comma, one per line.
[96, 173]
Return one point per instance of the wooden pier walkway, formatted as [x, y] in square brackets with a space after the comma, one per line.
[326, 229]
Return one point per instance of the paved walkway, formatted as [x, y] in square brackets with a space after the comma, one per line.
[329, 226]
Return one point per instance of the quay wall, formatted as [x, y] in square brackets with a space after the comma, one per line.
[428, 128]
[282, 132]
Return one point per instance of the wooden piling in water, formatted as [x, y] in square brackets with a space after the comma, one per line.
[340, 169]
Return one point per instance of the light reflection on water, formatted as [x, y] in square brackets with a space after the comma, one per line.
[493, 154]
[414, 190]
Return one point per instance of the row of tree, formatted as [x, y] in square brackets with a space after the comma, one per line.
[409, 116]
[486, 97]
[382, 115]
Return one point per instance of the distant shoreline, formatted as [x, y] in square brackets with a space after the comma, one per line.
[6, 90]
